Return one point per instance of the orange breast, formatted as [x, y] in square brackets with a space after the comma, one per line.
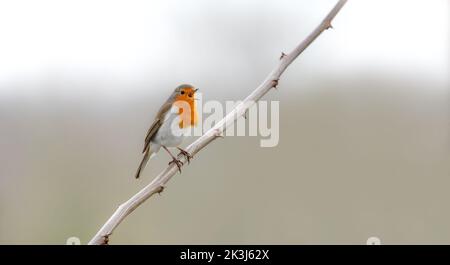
[187, 112]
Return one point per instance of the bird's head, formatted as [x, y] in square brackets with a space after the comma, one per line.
[185, 92]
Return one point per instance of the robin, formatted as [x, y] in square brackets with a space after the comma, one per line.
[175, 117]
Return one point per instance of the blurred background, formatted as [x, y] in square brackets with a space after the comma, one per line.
[364, 121]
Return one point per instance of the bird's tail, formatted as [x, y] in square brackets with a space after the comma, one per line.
[147, 154]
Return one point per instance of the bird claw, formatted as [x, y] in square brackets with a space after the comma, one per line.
[186, 154]
[178, 163]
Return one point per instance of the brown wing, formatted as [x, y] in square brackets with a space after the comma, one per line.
[156, 124]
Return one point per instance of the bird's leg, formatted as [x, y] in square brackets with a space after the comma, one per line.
[174, 159]
[186, 154]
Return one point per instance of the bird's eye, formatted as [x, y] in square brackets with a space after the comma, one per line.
[182, 92]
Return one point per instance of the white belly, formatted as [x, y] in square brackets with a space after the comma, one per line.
[170, 134]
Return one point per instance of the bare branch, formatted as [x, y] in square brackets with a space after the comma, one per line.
[158, 184]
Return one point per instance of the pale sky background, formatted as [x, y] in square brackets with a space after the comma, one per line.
[364, 121]
[129, 40]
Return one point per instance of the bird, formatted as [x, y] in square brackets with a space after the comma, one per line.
[173, 120]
